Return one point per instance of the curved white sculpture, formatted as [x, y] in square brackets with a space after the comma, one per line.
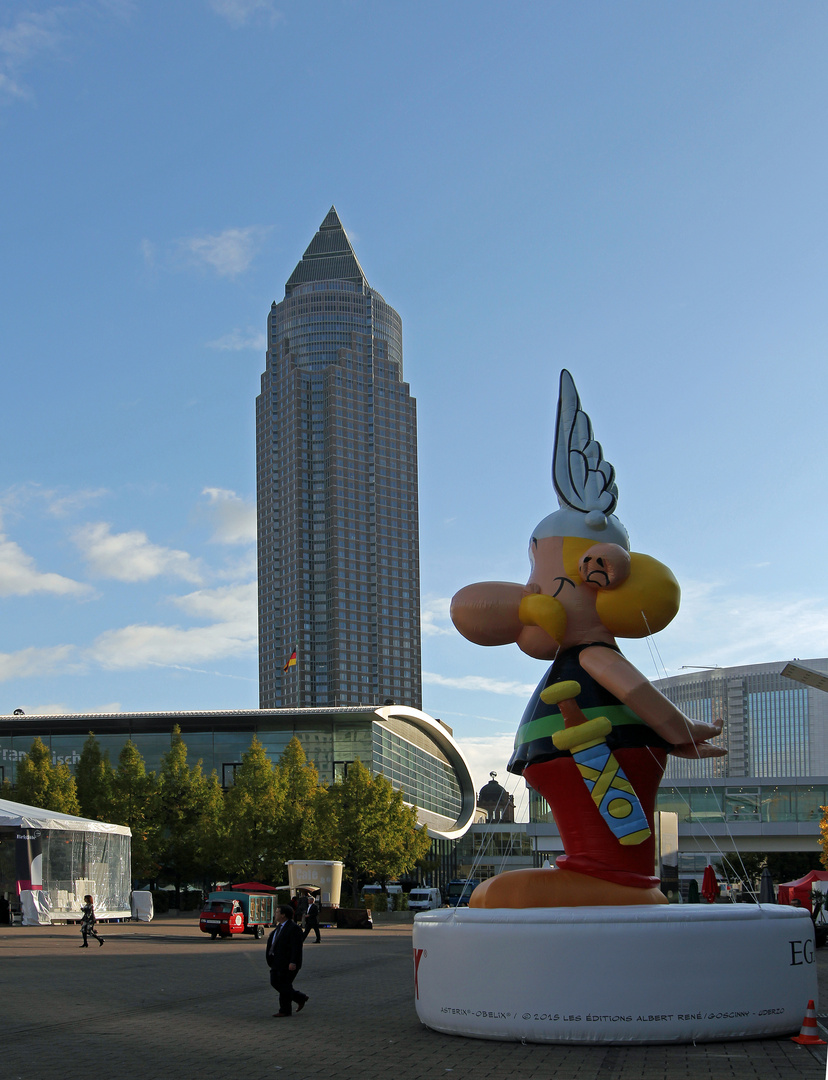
[648, 974]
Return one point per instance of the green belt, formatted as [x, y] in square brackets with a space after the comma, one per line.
[546, 726]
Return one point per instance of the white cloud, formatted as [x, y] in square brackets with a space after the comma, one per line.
[238, 340]
[479, 683]
[435, 618]
[233, 605]
[62, 505]
[33, 33]
[171, 646]
[130, 556]
[28, 663]
[234, 520]
[239, 12]
[229, 252]
[727, 629]
[19, 575]
[232, 632]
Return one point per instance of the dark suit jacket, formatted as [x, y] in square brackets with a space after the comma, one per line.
[284, 947]
[312, 914]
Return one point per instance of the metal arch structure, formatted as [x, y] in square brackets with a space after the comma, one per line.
[439, 735]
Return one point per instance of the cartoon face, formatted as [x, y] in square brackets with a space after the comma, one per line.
[604, 566]
[556, 575]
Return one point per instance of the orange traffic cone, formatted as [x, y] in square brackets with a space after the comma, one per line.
[808, 1033]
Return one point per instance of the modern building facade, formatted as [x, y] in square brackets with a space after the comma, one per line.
[415, 752]
[336, 460]
[767, 794]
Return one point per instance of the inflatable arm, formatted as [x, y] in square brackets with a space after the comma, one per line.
[621, 678]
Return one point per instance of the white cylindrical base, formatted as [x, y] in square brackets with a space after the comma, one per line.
[671, 973]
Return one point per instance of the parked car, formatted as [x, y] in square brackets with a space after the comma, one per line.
[424, 899]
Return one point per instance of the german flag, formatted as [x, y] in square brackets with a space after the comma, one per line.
[291, 661]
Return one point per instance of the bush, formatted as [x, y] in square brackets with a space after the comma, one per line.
[368, 900]
[380, 901]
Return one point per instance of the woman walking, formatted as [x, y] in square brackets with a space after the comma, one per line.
[88, 921]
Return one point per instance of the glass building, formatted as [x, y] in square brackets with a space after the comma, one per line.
[415, 752]
[336, 460]
[774, 726]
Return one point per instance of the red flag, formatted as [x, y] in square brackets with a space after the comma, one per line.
[291, 662]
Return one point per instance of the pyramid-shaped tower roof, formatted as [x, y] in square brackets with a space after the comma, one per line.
[329, 257]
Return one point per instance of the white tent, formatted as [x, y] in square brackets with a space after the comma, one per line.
[60, 858]
[15, 815]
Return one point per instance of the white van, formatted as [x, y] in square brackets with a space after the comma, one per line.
[424, 899]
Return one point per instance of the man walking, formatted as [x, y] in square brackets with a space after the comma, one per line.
[312, 919]
[284, 958]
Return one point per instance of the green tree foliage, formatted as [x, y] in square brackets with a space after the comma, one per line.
[132, 803]
[377, 834]
[253, 808]
[211, 843]
[302, 821]
[181, 805]
[42, 784]
[94, 776]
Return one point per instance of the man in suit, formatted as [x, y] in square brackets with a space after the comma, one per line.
[312, 919]
[284, 958]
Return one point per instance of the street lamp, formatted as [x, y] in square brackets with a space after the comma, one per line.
[806, 675]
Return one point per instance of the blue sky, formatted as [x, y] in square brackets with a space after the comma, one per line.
[635, 191]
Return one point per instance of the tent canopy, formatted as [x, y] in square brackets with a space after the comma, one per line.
[253, 886]
[801, 888]
[20, 816]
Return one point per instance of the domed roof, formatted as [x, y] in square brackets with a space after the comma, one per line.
[493, 793]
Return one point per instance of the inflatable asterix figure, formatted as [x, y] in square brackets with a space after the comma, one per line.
[595, 735]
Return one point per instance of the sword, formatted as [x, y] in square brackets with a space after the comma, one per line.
[611, 791]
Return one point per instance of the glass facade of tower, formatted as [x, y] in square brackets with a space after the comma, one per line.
[337, 492]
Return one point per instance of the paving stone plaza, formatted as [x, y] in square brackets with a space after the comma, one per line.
[163, 1000]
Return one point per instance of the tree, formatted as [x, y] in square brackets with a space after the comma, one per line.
[94, 776]
[300, 819]
[253, 809]
[40, 783]
[132, 804]
[212, 840]
[377, 833]
[181, 803]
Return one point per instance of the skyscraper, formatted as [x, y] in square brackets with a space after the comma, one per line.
[336, 462]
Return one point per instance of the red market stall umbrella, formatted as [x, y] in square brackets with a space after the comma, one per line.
[710, 887]
[254, 886]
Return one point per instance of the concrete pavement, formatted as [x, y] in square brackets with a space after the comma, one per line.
[162, 999]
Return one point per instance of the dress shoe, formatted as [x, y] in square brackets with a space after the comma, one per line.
[100, 940]
[84, 946]
[303, 1003]
[280, 1014]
